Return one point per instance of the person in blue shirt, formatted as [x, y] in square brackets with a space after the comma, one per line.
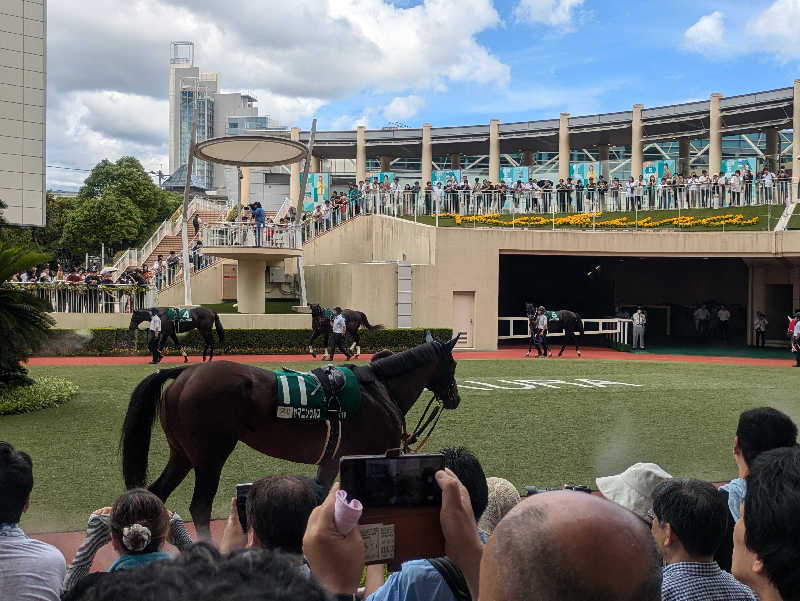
[419, 580]
[259, 216]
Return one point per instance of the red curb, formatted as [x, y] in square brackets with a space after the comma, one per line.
[506, 353]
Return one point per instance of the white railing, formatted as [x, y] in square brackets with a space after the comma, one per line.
[510, 328]
[66, 297]
[249, 235]
[283, 210]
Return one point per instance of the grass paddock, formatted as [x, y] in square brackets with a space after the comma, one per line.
[559, 424]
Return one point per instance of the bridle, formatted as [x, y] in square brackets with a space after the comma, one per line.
[435, 406]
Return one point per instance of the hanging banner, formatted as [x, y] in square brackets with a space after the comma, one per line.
[658, 168]
[317, 190]
[584, 171]
[511, 175]
[445, 175]
[729, 166]
[382, 176]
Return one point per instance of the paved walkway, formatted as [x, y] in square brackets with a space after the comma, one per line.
[499, 355]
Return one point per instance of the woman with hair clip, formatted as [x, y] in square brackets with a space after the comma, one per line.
[137, 526]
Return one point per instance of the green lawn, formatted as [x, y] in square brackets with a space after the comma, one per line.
[682, 416]
[270, 306]
[767, 217]
[794, 220]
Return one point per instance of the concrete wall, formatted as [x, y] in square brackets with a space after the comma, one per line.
[206, 288]
[451, 260]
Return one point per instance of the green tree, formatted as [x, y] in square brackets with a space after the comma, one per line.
[24, 320]
[111, 219]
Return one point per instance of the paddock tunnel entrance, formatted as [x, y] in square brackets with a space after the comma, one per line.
[669, 289]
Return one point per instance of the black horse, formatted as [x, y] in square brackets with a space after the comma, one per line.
[568, 321]
[321, 324]
[203, 319]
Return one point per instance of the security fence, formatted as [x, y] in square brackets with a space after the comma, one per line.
[68, 297]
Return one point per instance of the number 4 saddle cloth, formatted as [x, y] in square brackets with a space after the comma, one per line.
[325, 394]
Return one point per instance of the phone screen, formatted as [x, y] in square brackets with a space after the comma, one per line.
[406, 481]
[241, 503]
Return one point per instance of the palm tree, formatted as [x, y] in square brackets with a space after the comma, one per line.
[24, 319]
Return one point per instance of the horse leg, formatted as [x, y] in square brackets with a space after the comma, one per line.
[206, 482]
[175, 471]
[563, 346]
[356, 344]
[577, 348]
[326, 355]
[179, 347]
[314, 335]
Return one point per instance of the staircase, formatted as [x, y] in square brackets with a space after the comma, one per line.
[172, 241]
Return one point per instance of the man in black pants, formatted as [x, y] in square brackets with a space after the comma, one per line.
[155, 335]
[339, 328]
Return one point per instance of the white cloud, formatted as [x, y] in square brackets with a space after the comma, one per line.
[776, 29]
[403, 107]
[707, 36]
[556, 13]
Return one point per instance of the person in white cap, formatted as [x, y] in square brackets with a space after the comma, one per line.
[633, 488]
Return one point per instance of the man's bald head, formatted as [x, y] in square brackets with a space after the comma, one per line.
[568, 545]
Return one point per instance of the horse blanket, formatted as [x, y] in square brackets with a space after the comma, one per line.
[179, 315]
[303, 396]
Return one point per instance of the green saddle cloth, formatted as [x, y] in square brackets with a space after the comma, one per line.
[551, 315]
[328, 314]
[174, 314]
[301, 396]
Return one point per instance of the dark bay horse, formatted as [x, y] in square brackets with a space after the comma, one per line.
[203, 319]
[320, 324]
[568, 321]
[211, 406]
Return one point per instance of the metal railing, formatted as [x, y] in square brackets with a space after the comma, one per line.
[68, 297]
[250, 235]
[614, 328]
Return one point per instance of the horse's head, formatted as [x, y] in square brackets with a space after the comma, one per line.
[138, 317]
[443, 384]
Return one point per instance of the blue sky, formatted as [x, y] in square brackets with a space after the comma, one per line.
[351, 62]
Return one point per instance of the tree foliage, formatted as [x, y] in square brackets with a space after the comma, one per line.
[24, 321]
[111, 219]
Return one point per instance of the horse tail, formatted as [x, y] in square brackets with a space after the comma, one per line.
[366, 324]
[138, 425]
[220, 329]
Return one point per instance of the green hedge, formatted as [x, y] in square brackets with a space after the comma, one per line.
[119, 341]
[45, 392]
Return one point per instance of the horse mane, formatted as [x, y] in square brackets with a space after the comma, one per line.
[405, 361]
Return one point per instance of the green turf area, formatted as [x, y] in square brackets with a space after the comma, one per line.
[794, 220]
[768, 216]
[270, 306]
[682, 416]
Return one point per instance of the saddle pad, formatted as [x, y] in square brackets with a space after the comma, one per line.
[174, 314]
[301, 396]
[551, 315]
[328, 314]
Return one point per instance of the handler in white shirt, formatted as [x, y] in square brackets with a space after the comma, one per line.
[339, 328]
[639, 322]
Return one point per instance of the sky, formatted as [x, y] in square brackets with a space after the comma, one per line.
[381, 62]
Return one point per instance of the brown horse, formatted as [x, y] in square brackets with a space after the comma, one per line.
[203, 319]
[321, 325]
[211, 406]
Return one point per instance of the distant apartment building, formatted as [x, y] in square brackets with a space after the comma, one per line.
[23, 84]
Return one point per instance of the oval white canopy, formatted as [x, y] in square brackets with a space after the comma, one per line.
[250, 151]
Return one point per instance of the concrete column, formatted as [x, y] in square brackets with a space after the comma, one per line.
[427, 154]
[715, 135]
[604, 151]
[245, 199]
[563, 146]
[386, 162]
[294, 170]
[527, 158]
[773, 149]
[494, 151]
[315, 168]
[636, 141]
[455, 161]
[250, 282]
[684, 159]
[361, 154]
[796, 135]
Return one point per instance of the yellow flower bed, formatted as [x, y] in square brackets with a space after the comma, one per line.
[585, 220]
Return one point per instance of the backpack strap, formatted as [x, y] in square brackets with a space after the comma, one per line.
[453, 577]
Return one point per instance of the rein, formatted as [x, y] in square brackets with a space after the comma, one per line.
[419, 430]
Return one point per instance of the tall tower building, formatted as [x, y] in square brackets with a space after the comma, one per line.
[23, 84]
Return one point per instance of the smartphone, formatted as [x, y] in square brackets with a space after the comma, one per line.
[241, 503]
[404, 481]
[402, 502]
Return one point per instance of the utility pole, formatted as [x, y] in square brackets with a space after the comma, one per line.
[298, 217]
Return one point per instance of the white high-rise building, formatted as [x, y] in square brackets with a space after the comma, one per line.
[188, 87]
[23, 84]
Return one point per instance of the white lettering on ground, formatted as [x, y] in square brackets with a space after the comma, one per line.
[525, 384]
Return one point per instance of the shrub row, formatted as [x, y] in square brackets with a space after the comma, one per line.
[45, 392]
[119, 341]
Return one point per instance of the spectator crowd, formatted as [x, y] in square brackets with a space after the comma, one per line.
[645, 535]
